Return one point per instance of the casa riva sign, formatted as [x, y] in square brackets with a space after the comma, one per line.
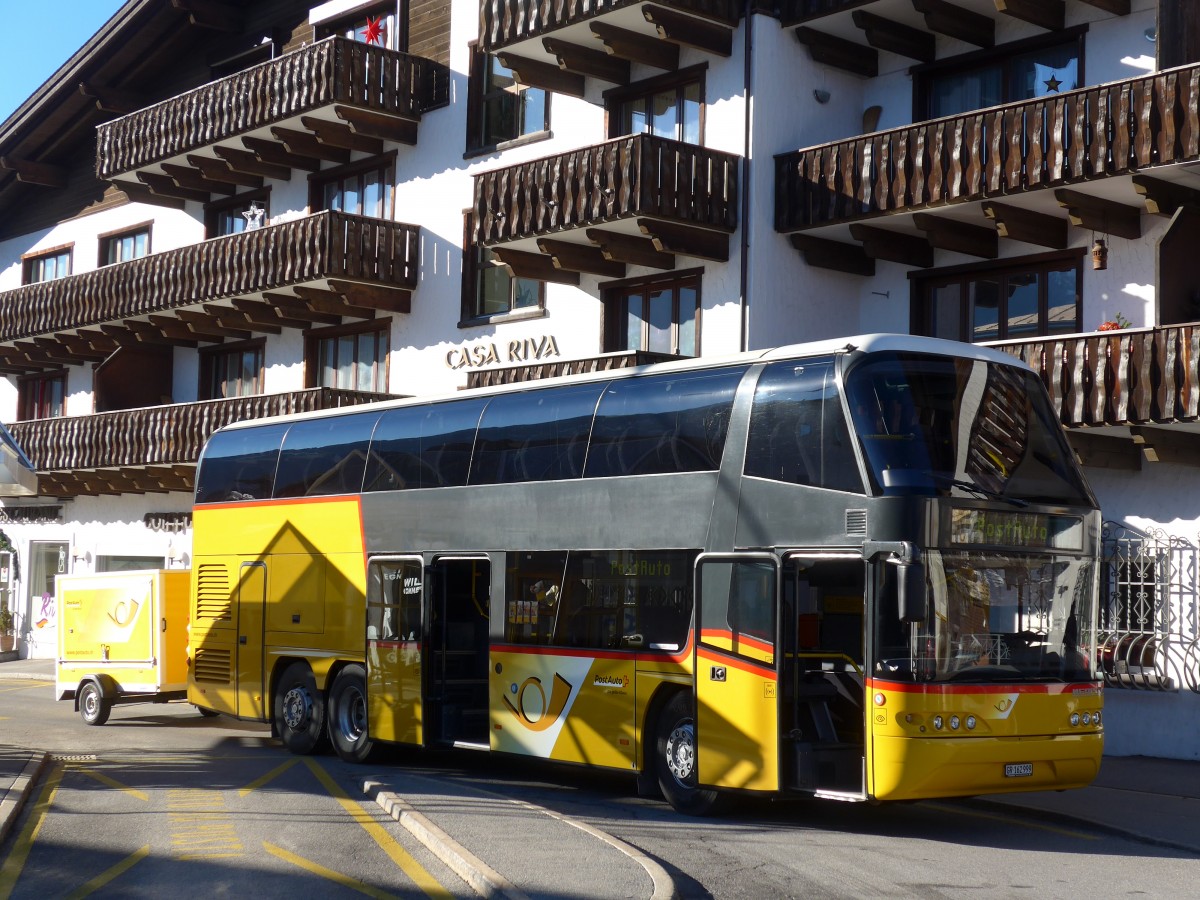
[490, 353]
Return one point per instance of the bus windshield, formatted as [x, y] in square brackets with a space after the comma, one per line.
[994, 616]
[960, 427]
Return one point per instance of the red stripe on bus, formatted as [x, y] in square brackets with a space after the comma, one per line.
[736, 662]
[739, 638]
[583, 652]
[902, 687]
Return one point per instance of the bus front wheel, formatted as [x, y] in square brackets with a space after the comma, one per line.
[675, 758]
[348, 715]
[299, 710]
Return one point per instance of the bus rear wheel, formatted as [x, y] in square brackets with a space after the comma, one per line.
[675, 758]
[348, 715]
[299, 710]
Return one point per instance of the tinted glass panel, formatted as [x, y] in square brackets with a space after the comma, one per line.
[798, 433]
[324, 456]
[534, 436]
[423, 446]
[239, 465]
[664, 423]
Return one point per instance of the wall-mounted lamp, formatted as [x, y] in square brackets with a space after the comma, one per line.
[78, 554]
[821, 96]
[1151, 34]
[1099, 255]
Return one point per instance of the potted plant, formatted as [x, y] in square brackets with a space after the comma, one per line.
[7, 638]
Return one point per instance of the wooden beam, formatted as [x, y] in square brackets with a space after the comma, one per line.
[1164, 198]
[1116, 7]
[220, 170]
[296, 308]
[247, 163]
[688, 31]
[627, 248]
[839, 52]
[211, 14]
[98, 340]
[834, 255]
[335, 134]
[112, 100]
[1100, 215]
[165, 186]
[192, 179]
[959, 237]
[636, 47]
[278, 155]
[150, 333]
[956, 22]
[30, 172]
[79, 350]
[675, 237]
[540, 74]
[179, 332]
[36, 351]
[1102, 451]
[1163, 445]
[374, 296]
[227, 317]
[369, 123]
[329, 302]
[892, 246]
[267, 314]
[202, 323]
[586, 61]
[1048, 14]
[895, 37]
[141, 193]
[301, 143]
[580, 258]
[523, 264]
[1025, 225]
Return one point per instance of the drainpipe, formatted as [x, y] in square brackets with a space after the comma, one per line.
[748, 79]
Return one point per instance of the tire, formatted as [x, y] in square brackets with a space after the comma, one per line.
[206, 712]
[675, 760]
[299, 710]
[348, 716]
[94, 707]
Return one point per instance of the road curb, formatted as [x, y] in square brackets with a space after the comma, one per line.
[18, 792]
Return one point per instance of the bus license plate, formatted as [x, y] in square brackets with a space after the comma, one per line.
[1017, 770]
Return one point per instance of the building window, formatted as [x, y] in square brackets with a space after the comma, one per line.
[41, 396]
[501, 109]
[123, 246]
[661, 316]
[232, 370]
[1021, 71]
[244, 212]
[670, 107]
[377, 26]
[489, 289]
[363, 188]
[47, 265]
[351, 358]
[1030, 298]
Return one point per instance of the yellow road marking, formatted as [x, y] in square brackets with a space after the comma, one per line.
[317, 869]
[1013, 820]
[11, 870]
[270, 776]
[111, 782]
[25, 686]
[387, 843]
[110, 875]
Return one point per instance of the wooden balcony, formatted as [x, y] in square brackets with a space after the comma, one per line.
[556, 44]
[606, 362]
[655, 198]
[150, 450]
[1126, 397]
[1094, 158]
[315, 104]
[317, 269]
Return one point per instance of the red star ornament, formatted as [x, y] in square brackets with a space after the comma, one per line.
[375, 31]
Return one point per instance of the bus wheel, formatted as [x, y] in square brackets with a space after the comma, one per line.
[676, 760]
[299, 710]
[93, 706]
[348, 715]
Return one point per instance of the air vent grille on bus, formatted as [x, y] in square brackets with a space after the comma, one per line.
[856, 522]
[212, 666]
[212, 592]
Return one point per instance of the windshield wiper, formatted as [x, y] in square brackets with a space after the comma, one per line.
[977, 490]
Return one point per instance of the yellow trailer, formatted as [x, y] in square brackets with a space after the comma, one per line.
[122, 638]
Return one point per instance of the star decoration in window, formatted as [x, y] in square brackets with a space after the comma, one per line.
[1052, 83]
[375, 31]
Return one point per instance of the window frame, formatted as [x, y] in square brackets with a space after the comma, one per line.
[313, 338]
[386, 162]
[111, 238]
[478, 143]
[210, 371]
[33, 258]
[615, 295]
[616, 98]
[30, 408]
[474, 262]
[215, 209]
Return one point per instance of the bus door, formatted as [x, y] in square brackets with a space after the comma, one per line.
[822, 635]
[395, 636]
[252, 593]
[736, 665]
[459, 591]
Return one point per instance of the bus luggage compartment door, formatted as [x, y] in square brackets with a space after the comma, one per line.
[395, 622]
[736, 665]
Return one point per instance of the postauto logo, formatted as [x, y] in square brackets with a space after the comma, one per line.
[528, 702]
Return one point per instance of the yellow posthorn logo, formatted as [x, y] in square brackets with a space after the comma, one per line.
[531, 709]
[124, 612]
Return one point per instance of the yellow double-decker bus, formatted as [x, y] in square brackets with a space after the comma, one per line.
[862, 569]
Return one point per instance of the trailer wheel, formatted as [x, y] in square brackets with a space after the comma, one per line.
[94, 707]
[675, 758]
[299, 710]
[348, 715]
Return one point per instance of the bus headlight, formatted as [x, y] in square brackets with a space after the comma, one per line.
[970, 723]
[1087, 718]
[954, 723]
[937, 723]
[1074, 718]
[1096, 717]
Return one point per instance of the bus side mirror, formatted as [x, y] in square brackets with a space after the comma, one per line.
[911, 592]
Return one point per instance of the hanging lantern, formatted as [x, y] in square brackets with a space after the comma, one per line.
[1099, 255]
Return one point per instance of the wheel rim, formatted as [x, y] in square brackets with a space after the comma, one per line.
[297, 708]
[91, 703]
[681, 752]
[352, 715]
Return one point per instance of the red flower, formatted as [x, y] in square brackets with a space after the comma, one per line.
[1109, 326]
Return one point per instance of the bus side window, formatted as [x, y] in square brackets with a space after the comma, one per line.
[324, 456]
[239, 464]
[423, 446]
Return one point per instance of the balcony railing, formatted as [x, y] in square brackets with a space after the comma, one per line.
[539, 370]
[334, 71]
[1113, 129]
[322, 246]
[1131, 377]
[623, 178]
[506, 22]
[132, 442]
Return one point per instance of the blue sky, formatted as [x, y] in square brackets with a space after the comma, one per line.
[35, 40]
